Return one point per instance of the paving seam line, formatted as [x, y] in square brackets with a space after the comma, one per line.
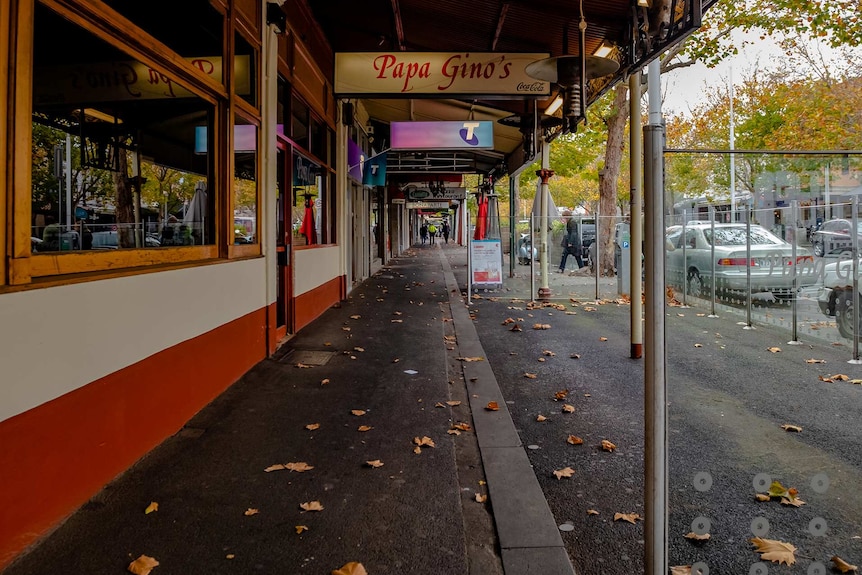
[512, 483]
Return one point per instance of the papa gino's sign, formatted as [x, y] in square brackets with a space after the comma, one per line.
[438, 74]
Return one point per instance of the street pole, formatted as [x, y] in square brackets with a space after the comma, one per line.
[513, 254]
[636, 249]
[655, 378]
[545, 174]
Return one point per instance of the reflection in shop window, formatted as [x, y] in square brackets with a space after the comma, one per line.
[308, 202]
[245, 182]
[114, 164]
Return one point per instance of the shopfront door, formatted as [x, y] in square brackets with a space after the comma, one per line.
[284, 275]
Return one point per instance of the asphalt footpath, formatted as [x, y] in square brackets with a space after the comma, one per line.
[377, 435]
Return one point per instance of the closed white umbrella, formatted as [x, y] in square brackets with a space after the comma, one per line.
[196, 215]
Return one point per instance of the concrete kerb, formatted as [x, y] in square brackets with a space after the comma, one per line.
[529, 538]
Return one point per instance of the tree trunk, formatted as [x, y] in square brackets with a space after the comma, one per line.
[608, 177]
[125, 207]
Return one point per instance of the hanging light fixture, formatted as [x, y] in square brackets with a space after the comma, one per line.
[571, 72]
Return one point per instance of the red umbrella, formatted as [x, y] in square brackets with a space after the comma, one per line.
[307, 227]
[481, 218]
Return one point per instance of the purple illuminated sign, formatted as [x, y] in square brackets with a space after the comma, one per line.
[442, 135]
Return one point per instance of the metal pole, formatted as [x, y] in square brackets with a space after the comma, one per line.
[469, 259]
[794, 214]
[712, 261]
[69, 221]
[685, 277]
[748, 214]
[732, 157]
[532, 259]
[513, 186]
[655, 377]
[855, 293]
[636, 248]
[545, 173]
[596, 270]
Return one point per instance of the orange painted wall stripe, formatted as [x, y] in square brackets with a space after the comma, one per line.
[53, 458]
[311, 304]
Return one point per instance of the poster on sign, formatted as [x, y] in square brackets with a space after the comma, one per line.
[486, 264]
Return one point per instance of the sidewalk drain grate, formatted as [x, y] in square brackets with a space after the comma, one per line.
[307, 357]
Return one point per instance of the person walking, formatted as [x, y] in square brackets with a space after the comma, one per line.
[432, 231]
[571, 242]
[423, 232]
[446, 231]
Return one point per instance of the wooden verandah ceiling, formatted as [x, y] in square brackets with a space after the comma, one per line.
[638, 33]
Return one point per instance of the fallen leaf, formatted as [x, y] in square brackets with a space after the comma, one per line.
[812, 360]
[396, 321]
[251, 511]
[471, 359]
[357, 412]
[462, 426]
[324, 381]
[453, 403]
[788, 427]
[529, 375]
[698, 345]
[795, 501]
[630, 517]
[774, 550]
[151, 507]
[481, 498]
[542, 359]
[592, 512]
[541, 417]
[516, 327]
[417, 450]
[230, 556]
[548, 353]
[541, 326]
[311, 506]
[680, 570]
[359, 349]
[312, 426]
[574, 440]
[298, 466]
[607, 445]
[300, 529]
[345, 329]
[374, 463]
[396, 360]
[453, 432]
[561, 394]
[303, 366]
[355, 316]
[568, 408]
[508, 320]
[352, 568]
[276, 467]
[425, 440]
[492, 406]
[696, 537]
[842, 565]
[762, 497]
[364, 428]
[603, 338]
[773, 349]
[564, 472]
[143, 565]
[778, 490]
[575, 356]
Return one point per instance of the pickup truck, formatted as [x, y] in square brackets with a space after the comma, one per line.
[835, 294]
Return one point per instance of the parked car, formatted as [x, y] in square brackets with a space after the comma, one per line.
[108, 240]
[835, 294]
[834, 236]
[771, 262]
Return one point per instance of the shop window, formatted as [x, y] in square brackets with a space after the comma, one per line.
[320, 140]
[245, 70]
[121, 153]
[299, 116]
[245, 182]
[283, 90]
[199, 38]
[311, 210]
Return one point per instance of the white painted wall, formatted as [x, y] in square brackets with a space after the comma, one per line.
[55, 340]
[314, 267]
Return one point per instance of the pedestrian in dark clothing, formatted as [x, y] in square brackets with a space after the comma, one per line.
[423, 232]
[571, 243]
[446, 231]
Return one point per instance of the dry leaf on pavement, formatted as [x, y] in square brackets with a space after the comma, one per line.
[298, 466]
[789, 427]
[424, 440]
[453, 432]
[276, 467]
[568, 408]
[471, 359]
[541, 417]
[355, 316]
[564, 472]
[357, 412]
[516, 327]
[575, 440]
[773, 349]
[592, 512]
[541, 326]
[575, 356]
[301, 528]
[843, 566]
[352, 568]
[492, 406]
[630, 517]
[364, 428]
[312, 426]
[762, 497]
[680, 570]
[461, 426]
[453, 403]
[696, 537]
[794, 501]
[508, 320]
[607, 445]
[561, 395]
[774, 550]
[324, 381]
[812, 360]
[142, 565]
[481, 498]
[311, 506]
[151, 507]
[548, 353]
[603, 339]
[529, 375]
[251, 511]
[303, 366]
[374, 463]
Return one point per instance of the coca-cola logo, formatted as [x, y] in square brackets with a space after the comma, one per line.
[531, 87]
